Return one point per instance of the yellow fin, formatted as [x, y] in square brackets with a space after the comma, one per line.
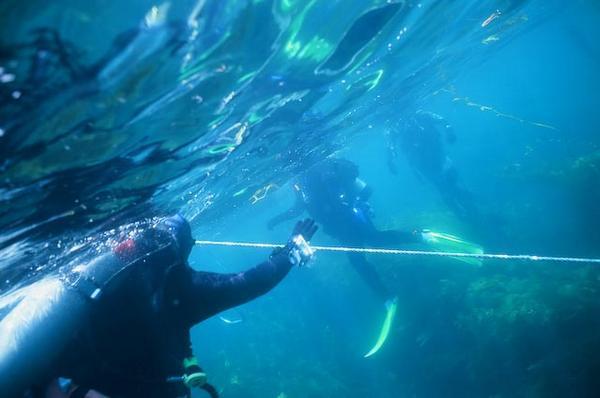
[385, 329]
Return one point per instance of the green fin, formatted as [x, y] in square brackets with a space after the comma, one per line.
[450, 243]
[385, 329]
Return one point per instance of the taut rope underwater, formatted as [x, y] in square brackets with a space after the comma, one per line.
[525, 257]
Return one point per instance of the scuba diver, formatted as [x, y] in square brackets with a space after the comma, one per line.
[333, 194]
[421, 139]
[119, 324]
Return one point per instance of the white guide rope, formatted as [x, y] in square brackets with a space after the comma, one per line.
[526, 257]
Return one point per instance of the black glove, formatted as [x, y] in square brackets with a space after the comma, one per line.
[306, 228]
[298, 251]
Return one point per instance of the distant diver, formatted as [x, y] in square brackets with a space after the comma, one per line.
[333, 194]
[422, 137]
[119, 324]
[337, 199]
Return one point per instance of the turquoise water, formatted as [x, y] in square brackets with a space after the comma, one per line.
[125, 111]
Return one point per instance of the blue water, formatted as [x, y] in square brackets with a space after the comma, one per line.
[123, 111]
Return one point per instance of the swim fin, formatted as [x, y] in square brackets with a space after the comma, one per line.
[390, 314]
[449, 243]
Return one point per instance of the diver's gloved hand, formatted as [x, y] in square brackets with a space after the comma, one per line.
[297, 248]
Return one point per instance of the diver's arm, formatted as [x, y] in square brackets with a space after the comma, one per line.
[206, 293]
[210, 293]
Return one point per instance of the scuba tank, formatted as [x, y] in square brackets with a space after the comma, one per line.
[41, 320]
[37, 322]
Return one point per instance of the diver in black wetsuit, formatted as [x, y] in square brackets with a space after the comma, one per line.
[336, 198]
[144, 298]
[421, 139]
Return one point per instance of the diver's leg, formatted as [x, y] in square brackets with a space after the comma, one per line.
[365, 232]
[393, 237]
[368, 274]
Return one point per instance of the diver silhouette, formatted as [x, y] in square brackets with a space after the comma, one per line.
[422, 137]
[333, 194]
[119, 324]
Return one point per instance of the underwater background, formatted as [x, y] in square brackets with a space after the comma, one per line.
[115, 111]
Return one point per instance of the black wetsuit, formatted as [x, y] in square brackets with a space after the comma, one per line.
[138, 333]
[334, 196]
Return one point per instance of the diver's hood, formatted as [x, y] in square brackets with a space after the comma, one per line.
[180, 230]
